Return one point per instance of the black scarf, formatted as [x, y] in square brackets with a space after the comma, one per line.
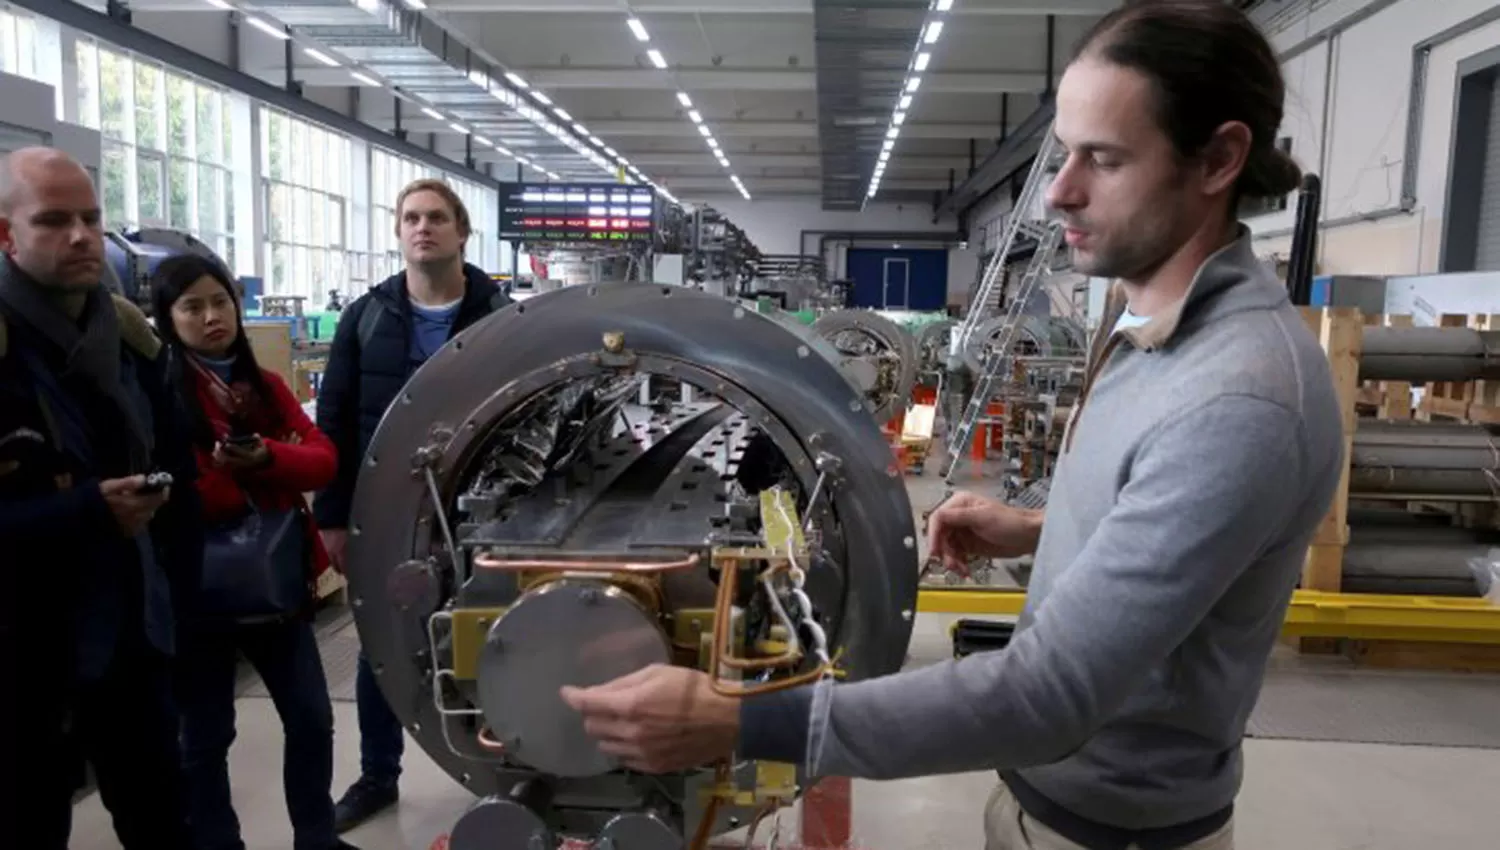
[90, 354]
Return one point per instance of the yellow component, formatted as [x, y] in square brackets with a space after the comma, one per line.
[1362, 616]
[770, 647]
[470, 628]
[774, 780]
[780, 527]
[689, 623]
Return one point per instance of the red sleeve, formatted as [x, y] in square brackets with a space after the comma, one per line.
[298, 467]
[221, 494]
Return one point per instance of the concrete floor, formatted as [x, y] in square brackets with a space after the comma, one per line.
[1298, 795]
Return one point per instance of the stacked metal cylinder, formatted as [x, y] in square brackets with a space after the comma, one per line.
[1394, 548]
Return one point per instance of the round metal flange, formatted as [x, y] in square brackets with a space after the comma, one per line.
[639, 831]
[566, 632]
[497, 823]
[933, 341]
[900, 345]
[1034, 333]
[494, 366]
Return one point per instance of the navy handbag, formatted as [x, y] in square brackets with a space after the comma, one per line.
[255, 568]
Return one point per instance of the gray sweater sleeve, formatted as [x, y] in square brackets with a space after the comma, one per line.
[1208, 492]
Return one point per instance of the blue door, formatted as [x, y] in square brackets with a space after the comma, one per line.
[898, 278]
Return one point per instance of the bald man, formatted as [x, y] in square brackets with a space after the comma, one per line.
[93, 557]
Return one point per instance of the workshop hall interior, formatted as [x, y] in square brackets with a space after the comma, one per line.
[772, 280]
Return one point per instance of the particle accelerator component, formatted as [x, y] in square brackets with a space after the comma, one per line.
[523, 522]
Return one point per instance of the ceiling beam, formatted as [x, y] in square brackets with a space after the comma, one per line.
[758, 7]
[672, 129]
[761, 79]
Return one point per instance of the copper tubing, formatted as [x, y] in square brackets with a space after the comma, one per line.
[706, 824]
[491, 562]
[488, 742]
[724, 606]
[785, 659]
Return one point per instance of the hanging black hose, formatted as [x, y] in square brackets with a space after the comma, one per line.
[1299, 273]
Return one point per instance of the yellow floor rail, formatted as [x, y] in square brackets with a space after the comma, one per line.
[1444, 619]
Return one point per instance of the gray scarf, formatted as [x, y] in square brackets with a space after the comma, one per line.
[91, 352]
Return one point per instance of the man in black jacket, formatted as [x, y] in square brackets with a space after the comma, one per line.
[95, 559]
[381, 340]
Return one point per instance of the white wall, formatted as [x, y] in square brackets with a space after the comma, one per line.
[776, 227]
[1347, 115]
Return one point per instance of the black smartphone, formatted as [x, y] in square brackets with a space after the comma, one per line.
[241, 441]
[155, 483]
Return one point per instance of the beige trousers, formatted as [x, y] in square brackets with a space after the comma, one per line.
[1006, 827]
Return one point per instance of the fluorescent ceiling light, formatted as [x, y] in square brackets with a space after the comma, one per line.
[459, 128]
[432, 113]
[483, 141]
[923, 59]
[704, 131]
[893, 132]
[523, 160]
[905, 102]
[580, 129]
[515, 80]
[268, 28]
[639, 29]
[656, 58]
[321, 57]
[611, 151]
[683, 99]
[944, 5]
[934, 31]
[364, 78]
[563, 114]
[695, 116]
[220, 4]
[368, 5]
[899, 118]
[415, 5]
[913, 84]
[885, 155]
[713, 143]
[541, 98]
[504, 150]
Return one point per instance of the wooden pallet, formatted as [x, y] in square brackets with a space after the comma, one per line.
[1340, 330]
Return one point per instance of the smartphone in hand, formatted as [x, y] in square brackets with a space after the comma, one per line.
[156, 482]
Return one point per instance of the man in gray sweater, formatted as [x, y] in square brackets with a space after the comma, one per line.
[1202, 455]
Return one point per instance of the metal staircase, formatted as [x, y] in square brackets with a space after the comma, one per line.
[999, 359]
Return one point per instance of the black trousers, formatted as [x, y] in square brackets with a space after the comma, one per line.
[125, 725]
[286, 657]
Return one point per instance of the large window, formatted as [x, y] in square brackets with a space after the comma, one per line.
[389, 173]
[167, 146]
[306, 173]
[18, 41]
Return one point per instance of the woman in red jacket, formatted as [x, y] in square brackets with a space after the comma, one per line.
[257, 451]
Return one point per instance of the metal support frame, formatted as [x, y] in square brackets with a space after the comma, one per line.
[128, 37]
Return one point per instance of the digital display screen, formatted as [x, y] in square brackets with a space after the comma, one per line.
[577, 212]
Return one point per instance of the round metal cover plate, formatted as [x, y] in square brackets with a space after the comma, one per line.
[495, 823]
[566, 632]
[639, 831]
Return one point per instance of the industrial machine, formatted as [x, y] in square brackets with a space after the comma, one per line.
[879, 356]
[521, 524]
[132, 257]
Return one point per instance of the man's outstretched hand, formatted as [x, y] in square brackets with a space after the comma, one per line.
[660, 719]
